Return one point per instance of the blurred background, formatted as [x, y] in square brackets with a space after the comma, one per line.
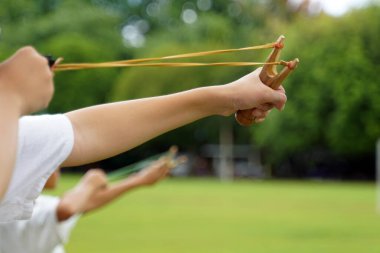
[323, 143]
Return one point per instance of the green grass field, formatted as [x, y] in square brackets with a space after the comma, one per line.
[205, 216]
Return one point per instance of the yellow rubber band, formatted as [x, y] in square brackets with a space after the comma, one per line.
[140, 62]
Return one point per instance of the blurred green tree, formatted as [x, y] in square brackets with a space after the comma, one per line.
[334, 94]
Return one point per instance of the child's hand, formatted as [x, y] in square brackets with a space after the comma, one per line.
[154, 173]
[27, 79]
[250, 92]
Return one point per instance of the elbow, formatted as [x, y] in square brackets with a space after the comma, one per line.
[2, 192]
[4, 184]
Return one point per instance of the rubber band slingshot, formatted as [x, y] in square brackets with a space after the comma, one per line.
[170, 158]
[268, 75]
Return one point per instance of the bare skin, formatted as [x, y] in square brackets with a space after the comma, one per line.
[75, 200]
[92, 192]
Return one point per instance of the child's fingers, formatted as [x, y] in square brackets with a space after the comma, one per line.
[281, 89]
[258, 113]
[265, 107]
[279, 100]
[168, 162]
[259, 120]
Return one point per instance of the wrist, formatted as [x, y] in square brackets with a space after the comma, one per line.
[225, 101]
[10, 103]
[135, 181]
[213, 100]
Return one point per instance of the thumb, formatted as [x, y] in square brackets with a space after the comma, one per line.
[278, 99]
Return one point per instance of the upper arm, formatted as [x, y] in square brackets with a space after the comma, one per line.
[74, 157]
[8, 146]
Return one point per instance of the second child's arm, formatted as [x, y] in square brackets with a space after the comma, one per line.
[149, 176]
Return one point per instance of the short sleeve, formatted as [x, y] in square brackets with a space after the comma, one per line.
[57, 233]
[43, 233]
[44, 142]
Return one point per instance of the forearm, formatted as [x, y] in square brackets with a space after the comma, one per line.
[107, 130]
[8, 144]
[150, 175]
[105, 196]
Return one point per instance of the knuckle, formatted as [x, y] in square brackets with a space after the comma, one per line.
[27, 50]
[44, 61]
[49, 74]
[285, 98]
[92, 174]
[95, 171]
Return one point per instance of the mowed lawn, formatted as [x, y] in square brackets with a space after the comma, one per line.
[206, 216]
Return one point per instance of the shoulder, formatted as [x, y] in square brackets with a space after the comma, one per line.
[44, 131]
[45, 121]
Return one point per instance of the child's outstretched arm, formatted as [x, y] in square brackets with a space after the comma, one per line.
[26, 86]
[106, 130]
[155, 172]
[90, 194]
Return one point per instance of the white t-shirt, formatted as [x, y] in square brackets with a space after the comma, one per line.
[43, 233]
[44, 142]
